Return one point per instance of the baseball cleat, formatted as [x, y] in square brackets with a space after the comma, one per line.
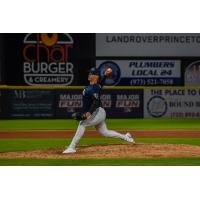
[70, 150]
[129, 138]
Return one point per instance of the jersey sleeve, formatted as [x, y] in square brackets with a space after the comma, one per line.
[95, 100]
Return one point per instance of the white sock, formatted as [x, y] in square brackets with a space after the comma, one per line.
[79, 133]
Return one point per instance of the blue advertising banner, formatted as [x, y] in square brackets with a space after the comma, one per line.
[142, 72]
[117, 103]
[39, 104]
[68, 102]
[126, 103]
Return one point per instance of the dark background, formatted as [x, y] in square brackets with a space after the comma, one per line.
[2, 66]
[82, 55]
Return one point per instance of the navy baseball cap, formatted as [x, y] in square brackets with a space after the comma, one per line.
[94, 71]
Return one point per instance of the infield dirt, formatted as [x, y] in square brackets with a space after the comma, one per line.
[109, 151]
[113, 151]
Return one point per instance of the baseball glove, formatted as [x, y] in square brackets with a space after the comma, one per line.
[78, 116]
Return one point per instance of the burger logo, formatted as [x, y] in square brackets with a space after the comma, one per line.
[46, 59]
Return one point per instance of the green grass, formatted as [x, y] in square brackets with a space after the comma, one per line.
[8, 145]
[142, 124]
[102, 162]
[191, 141]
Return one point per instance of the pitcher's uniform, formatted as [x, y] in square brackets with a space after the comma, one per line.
[92, 104]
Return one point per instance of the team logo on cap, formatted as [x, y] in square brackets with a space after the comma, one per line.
[46, 59]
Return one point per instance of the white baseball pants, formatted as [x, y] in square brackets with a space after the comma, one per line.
[97, 119]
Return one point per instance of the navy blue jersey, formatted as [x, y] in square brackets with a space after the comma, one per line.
[91, 97]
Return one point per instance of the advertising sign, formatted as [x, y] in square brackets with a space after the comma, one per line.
[172, 103]
[68, 102]
[192, 74]
[142, 72]
[147, 44]
[127, 103]
[117, 103]
[31, 103]
[39, 104]
[48, 58]
[4, 105]
[1, 104]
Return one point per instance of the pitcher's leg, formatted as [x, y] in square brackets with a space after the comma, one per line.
[79, 133]
[102, 128]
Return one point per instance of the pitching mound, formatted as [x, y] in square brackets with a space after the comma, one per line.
[114, 151]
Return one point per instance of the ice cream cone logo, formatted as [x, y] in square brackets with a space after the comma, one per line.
[49, 39]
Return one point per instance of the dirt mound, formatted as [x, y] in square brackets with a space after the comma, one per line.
[113, 151]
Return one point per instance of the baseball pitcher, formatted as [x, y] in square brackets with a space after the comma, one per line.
[93, 113]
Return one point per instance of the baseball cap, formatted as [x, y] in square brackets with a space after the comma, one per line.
[94, 71]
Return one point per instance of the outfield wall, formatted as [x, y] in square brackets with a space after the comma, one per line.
[53, 67]
[137, 59]
[124, 102]
[59, 103]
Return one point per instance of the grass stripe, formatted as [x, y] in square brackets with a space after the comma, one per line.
[140, 124]
[102, 162]
[8, 145]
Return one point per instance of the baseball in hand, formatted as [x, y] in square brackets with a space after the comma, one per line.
[108, 72]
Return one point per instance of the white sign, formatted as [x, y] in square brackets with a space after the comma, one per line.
[147, 44]
[142, 72]
[172, 103]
